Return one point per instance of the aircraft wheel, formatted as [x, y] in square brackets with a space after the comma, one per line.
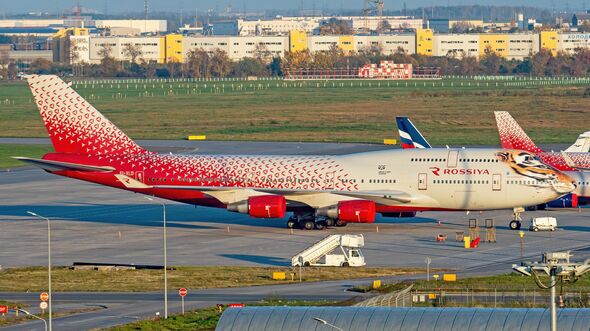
[340, 223]
[345, 264]
[329, 222]
[308, 225]
[321, 225]
[515, 225]
[291, 224]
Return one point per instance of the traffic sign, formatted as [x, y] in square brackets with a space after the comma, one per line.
[43, 305]
[3, 309]
[182, 292]
[44, 296]
[236, 305]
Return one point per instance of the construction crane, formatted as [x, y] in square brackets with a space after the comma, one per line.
[373, 7]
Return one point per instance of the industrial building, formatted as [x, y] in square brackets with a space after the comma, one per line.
[50, 26]
[80, 46]
[311, 25]
[385, 318]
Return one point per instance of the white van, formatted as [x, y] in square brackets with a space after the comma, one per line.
[543, 224]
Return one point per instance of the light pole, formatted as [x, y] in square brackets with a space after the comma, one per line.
[165, 258]
[324, 322]
[554, 264]
[50, 299]
[34, 316]
[427, 260]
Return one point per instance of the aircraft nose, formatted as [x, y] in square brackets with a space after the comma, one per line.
[564, 184]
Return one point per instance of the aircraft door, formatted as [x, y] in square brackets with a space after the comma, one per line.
[422, 181]
[330, 176]
[496, 182]
[139, 176]
[452, 159]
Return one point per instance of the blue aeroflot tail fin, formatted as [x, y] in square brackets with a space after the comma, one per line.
[410, 136]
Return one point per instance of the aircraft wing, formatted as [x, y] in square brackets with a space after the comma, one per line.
[50, 165]
[377, 196]
[570, 163]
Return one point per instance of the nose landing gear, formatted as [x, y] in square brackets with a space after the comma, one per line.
[516, 223]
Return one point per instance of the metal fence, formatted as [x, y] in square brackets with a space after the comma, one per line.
[497, 298]
[401, 298]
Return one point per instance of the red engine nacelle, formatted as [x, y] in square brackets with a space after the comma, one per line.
[356, 211]
[267, 206]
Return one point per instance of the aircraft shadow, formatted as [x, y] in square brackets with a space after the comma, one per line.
[268, 260]
[575, 228]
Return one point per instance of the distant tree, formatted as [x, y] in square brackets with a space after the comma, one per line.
[539, 62]
[132, 51]
[336, 27]
[198, 63]
[41, 66]
[275, 67]
[173, 68]
[248, 67]
[108, 64]
[220, 63]
[261, 53]
[490, 63]
[12, 70]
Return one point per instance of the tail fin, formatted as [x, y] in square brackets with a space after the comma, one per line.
[582, 144]
[409, 134]
[512, 135]
[74, 125]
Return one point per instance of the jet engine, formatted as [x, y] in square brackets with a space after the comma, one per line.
[261, 206]
[352, 211]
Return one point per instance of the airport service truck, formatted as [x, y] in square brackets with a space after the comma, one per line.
[543, 224]
[333, 251]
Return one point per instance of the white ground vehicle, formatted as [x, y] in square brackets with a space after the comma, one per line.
[349, 245]
[543, 224]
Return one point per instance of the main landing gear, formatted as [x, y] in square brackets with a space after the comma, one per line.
[310, 222]
[516, 223]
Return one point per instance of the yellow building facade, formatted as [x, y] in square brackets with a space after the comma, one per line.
[297, 41]
[173, 48]
[548, 41]
[493, 43]
[424, 45]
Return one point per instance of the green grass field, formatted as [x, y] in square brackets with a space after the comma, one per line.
[205, 319]
[449, 111]
[65, 279]
[7, 151]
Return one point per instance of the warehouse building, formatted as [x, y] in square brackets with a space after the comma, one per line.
[76, 45]
[385, 318]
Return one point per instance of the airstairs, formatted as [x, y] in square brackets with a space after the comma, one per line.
[349, 246]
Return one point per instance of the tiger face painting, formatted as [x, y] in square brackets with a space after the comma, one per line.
[526, 164]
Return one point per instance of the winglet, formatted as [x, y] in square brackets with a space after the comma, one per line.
[512, 136]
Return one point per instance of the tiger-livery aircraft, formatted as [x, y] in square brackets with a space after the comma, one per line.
[512, 136]
[575, 160]
[319, 190]
[580, 196]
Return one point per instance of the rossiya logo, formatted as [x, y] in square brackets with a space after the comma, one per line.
[436, 171]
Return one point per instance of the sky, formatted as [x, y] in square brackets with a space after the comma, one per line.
[123, 6]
